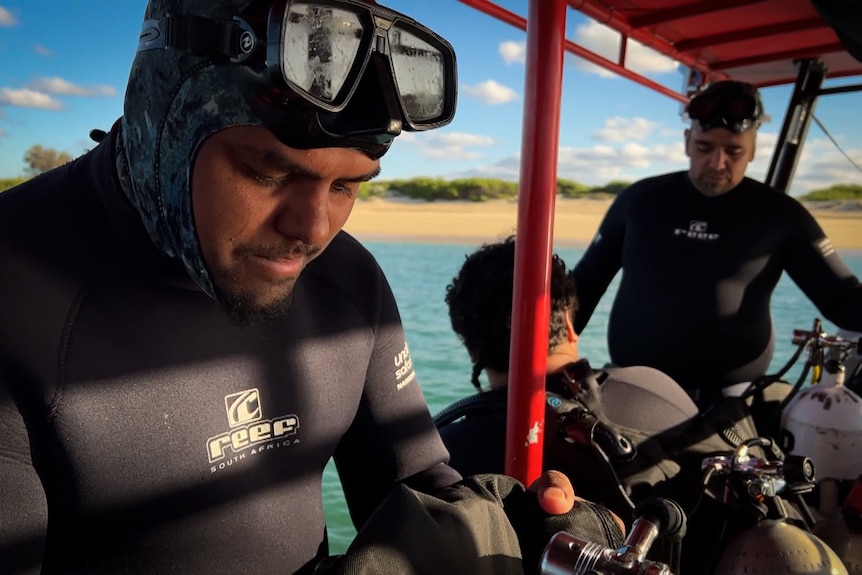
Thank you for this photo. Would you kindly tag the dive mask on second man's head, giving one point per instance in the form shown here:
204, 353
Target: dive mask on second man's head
326, 73
732, 105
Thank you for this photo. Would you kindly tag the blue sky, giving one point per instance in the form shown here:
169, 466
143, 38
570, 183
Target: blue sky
63, 70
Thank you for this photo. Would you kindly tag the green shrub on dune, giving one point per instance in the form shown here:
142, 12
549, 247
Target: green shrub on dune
6, 183
834, 193
485, 189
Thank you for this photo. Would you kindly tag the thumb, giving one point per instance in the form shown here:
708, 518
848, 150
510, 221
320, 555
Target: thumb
555, 492
556, 495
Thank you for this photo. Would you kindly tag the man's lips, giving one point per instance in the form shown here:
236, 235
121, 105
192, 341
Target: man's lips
279, 268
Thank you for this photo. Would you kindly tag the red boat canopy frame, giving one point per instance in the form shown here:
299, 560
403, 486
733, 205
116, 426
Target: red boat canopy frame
756, 41
764, 42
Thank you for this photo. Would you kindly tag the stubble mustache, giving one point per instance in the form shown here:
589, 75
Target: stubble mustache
285, 251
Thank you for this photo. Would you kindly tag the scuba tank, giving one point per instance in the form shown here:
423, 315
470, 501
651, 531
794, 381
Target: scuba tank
824, 420
774, 541
843, 532
776, 546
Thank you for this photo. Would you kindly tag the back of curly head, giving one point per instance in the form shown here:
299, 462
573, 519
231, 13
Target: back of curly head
480, 304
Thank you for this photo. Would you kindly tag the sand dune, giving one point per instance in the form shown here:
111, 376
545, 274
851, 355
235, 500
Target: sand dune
575, 221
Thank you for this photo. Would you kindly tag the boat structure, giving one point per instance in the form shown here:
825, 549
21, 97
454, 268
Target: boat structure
798, 43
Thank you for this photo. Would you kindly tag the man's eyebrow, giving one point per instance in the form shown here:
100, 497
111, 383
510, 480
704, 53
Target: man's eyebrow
365, 177
282, 164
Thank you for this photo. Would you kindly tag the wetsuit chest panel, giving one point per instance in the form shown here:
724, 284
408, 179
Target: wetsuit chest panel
681, 236
200, 428
202, 403
701, 265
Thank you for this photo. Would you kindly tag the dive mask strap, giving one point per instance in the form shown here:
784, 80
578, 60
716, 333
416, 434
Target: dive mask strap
233, 40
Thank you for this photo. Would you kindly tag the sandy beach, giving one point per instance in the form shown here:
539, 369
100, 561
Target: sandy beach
575, 222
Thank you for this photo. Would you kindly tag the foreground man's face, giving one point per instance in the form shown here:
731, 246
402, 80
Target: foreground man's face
263, 211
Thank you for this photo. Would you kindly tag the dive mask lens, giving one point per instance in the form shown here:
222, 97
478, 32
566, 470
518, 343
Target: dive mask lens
321, 50
419, 73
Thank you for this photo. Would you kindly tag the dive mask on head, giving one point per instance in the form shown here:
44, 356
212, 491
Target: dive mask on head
732, 105
326, 72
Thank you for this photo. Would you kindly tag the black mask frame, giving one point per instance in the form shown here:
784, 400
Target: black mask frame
367, 112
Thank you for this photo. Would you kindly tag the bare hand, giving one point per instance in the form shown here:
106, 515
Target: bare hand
556, 495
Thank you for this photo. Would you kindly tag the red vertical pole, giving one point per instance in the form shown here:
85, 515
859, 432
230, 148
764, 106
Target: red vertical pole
546, 32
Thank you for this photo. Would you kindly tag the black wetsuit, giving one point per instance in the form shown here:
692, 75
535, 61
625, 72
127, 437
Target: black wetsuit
142, 432
636, 397
698, 276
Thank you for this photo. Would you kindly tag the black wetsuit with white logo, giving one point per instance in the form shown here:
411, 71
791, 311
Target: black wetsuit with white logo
698, 275
142, 432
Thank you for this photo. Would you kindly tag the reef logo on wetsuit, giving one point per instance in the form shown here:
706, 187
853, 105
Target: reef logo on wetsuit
696, 231
249, 431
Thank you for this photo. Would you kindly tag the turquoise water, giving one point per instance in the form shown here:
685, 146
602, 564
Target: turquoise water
419, 274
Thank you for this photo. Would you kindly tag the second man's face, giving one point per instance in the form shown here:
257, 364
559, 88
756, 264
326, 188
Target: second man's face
263, 211
718, 158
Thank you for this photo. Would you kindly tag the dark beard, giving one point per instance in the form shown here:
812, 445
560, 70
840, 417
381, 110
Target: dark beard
244, 314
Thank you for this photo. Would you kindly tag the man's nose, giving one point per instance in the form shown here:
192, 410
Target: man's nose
304, 214
718, 159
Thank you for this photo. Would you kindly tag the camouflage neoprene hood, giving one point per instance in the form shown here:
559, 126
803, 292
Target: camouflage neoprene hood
174, 102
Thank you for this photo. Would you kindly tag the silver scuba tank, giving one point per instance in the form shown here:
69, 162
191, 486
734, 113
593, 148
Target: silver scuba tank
824, 420
776, 546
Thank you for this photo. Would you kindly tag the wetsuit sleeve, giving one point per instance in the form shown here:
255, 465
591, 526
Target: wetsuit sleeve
486, 524
815, 266
23, 507
393, 437
601, 262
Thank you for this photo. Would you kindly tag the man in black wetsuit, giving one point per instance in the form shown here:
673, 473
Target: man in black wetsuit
187, 336
701, 252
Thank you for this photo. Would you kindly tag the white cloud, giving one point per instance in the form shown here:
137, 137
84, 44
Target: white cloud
599, 164
620, 129
822, 165
39, 49
26, 98
632, 149
461, 139
512, 52
758, 168
631, 161
6, 17
507, 170
606, 43
491, 92
63, 87
447, 146
673, 132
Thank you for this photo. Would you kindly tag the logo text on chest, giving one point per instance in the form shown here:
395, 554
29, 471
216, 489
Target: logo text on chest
248, 428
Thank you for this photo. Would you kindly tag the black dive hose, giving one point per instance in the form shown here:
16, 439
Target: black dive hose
764, 381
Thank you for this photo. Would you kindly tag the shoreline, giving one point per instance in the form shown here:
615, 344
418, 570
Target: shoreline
575, 222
